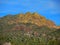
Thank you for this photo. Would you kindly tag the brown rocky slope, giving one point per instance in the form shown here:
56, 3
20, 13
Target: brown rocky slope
33, 18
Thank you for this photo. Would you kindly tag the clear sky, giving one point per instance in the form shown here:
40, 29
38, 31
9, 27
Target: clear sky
48, 8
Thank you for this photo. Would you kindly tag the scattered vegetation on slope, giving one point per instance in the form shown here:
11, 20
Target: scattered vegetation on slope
28, 29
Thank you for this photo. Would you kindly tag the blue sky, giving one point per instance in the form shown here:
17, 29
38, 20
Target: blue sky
47, 8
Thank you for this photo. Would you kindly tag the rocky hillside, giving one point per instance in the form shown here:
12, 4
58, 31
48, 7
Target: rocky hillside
33, 18
28, 29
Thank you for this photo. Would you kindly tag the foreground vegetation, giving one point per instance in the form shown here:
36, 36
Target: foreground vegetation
33, 35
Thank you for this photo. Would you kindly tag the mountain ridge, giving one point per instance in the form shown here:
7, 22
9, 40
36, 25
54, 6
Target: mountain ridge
28, 29
31, 18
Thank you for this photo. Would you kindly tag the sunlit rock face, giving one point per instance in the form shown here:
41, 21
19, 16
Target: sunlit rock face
33, 18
